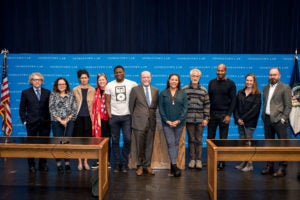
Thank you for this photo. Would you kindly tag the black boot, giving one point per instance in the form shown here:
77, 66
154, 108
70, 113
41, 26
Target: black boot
176, 171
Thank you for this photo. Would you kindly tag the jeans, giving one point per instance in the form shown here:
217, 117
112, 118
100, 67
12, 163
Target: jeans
195, 133
172, 138
215, 121
60, 131
118, 123
245, 132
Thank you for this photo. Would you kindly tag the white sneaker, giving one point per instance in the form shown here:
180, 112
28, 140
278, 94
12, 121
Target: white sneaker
241, 166
192, 164
199, 164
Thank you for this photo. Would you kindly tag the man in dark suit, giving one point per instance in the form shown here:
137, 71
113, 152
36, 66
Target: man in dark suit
34, 113
143, 105
275, 115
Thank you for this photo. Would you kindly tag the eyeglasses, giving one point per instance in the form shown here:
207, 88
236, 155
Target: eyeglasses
36, 79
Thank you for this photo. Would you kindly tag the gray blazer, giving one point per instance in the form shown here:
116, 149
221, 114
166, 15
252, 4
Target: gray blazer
143, 116
280, 104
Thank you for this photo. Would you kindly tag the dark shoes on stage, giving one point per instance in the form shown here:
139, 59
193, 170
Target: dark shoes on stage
221, 166
60, 169
281, 172
120, 168
42, 168
175, 171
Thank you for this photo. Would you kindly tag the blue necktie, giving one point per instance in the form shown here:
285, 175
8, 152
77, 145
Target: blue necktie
38, 94
147, 96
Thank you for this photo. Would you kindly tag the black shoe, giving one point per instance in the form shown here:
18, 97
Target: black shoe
175, 171
280, 173
60, 169
221, 166
32, 169
95, 165
123, 169
43, 168
117, 168
267, 170
298, 176
68, 169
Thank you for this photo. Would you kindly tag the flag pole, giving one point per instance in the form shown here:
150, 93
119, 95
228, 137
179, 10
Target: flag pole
4, 128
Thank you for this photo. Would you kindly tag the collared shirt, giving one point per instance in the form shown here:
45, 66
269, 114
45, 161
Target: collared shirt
271, 92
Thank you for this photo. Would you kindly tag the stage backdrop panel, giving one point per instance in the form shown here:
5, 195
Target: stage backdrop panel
52, 66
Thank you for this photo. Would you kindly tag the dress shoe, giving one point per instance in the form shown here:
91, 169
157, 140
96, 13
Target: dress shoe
267, 170
280, 173
123, 169
149, 171
60, 169
139, 171
43, 168
32, 169
221, 166
68, 169
298, 176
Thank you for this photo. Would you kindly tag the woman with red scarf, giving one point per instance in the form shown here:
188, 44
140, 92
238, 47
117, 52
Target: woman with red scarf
100, 117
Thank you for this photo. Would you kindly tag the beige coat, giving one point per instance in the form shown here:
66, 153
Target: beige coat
90, 98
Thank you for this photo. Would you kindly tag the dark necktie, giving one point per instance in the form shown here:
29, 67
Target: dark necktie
147, 96
38, 94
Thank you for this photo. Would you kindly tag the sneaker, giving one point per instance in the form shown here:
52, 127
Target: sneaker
192, 164
95, 165
199, 164
108, 165
241, 166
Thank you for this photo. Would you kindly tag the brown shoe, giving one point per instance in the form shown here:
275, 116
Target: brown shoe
139, 171
150, 171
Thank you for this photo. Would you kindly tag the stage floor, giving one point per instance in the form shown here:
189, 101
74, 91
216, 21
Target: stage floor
17, 183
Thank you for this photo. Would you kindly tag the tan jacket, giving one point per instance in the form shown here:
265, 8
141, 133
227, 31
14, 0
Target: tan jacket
90, 98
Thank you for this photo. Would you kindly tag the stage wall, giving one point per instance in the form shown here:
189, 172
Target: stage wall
53, 66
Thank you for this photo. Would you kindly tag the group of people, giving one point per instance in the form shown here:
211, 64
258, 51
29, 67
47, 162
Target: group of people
123, 105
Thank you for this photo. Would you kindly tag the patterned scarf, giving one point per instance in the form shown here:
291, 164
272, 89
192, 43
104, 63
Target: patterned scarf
99, 113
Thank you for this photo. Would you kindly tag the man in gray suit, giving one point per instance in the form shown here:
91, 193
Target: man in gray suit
276, 110
142, 105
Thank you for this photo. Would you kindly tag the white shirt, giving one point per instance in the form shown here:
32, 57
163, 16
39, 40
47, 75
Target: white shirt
271, 92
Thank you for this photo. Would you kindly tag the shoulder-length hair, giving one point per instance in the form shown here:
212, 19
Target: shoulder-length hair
255, 89
55, 85
179, 83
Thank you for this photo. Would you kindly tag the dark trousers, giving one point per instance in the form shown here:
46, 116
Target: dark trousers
59, 130
118, 123
39, 128
144, 146
216, 121
105, 132
275, 129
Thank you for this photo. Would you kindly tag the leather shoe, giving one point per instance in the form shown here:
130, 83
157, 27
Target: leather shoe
32, 169
139, 171
149, 171
267, 170
280, 173
221, 166
298, 176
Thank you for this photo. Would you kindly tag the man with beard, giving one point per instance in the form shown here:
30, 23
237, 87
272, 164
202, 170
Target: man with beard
222, 95
275, 115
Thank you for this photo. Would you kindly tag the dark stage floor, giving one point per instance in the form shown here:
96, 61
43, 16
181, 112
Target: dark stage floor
18, 184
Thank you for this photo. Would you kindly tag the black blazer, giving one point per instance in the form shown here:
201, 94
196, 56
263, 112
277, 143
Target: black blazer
31, 110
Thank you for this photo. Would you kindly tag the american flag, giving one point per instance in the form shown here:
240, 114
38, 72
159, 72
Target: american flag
5, 103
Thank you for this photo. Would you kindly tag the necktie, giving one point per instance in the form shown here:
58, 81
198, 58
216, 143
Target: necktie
147, 96
38, 94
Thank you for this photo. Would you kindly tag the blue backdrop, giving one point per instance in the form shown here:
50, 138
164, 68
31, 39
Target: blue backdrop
52, 66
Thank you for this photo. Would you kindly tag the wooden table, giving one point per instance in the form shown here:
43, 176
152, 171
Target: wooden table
247, 150
57, 147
